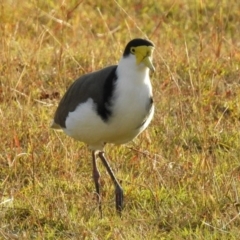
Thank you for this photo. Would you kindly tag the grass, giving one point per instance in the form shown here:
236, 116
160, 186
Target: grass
181, 178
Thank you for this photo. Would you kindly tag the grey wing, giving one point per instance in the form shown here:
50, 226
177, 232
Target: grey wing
85, 87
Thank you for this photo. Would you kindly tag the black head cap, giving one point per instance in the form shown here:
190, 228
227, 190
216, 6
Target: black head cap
135, 43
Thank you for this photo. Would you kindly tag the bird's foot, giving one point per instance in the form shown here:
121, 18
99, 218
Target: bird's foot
100, 205
119, 199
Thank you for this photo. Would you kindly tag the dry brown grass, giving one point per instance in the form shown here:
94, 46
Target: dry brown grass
181, 181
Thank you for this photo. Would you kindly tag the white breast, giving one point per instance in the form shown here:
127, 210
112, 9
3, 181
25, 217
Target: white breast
130, 108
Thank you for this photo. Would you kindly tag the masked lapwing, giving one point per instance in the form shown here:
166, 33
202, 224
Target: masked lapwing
112, 105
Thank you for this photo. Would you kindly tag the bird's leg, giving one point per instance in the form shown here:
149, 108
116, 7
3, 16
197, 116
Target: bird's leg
118, 188
96, 178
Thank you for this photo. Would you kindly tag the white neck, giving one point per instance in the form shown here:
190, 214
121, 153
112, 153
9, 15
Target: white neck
128, 68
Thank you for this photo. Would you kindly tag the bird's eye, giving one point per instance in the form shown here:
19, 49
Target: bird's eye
132, 50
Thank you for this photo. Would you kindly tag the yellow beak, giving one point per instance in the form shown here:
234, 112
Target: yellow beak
144, 55
148, 62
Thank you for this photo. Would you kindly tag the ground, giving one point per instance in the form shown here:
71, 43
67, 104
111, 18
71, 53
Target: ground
181, 177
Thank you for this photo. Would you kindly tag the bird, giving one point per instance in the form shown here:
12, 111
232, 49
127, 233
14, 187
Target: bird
112, 105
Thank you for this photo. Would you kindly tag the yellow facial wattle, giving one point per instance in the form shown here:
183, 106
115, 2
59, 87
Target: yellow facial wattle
144, 55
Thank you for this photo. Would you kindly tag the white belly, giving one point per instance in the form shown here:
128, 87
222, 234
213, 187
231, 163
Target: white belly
129, 112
